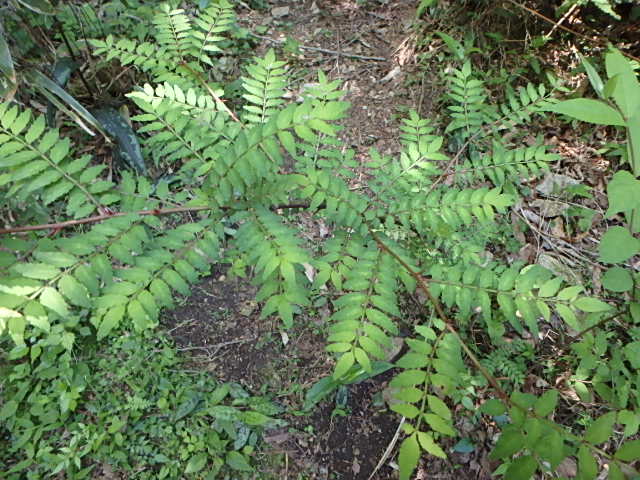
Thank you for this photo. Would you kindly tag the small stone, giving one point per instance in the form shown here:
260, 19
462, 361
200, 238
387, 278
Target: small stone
549, 208
279, 12
555, 183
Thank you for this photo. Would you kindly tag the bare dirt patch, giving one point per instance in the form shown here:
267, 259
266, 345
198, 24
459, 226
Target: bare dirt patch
219, 326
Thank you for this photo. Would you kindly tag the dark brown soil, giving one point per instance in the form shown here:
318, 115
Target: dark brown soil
219, 326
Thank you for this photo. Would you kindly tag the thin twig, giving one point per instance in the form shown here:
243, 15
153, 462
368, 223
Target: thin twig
322, 50
561, 21
389, 449
582, 333
99, 218
218, 100
422, 283
106, 216
217, 346
598, 40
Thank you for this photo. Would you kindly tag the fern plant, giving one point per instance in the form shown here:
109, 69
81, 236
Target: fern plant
176, 36
125, 249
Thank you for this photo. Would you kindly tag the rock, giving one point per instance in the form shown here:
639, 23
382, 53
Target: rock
549, 208
279, 12
554, 183
558, 267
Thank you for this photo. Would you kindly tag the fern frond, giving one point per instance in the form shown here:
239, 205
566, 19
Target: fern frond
362, 323
433, 360
327, 151
469, 109
522, 294
67, 276
265, 87
37, 162
449, 206
146, 56
256, 155
173, 31
196, 104
506, 167
217, 18
275, 251
415, 170
331, 196
518, 107
178, 39
416, 130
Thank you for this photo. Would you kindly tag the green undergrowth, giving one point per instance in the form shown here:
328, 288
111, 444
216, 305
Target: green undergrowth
142, 411
92, 255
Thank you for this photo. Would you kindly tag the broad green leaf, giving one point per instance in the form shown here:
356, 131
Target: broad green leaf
16, 327
439, 407
617, 279
406, 410
39, 271
196, 463
74, 291
510, 442
237, 461
521, 468
8, 410
600, 430
493, 407
568, 316
408, 456
594, 78
252, 417
319, 391
632, 352
408, 378
550, 287
438, 424
546, 403
615, 473
630, 420
587, 466
623, 193
110, 321
590, 305
627, 90
588, 110
428, 445
56, 259
618, 245
52, 299
36, 315
344, 363
629, 451
138, 315
362, 358
551, 449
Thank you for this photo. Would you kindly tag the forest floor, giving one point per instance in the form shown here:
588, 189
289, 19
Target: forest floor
373, 49
219, 324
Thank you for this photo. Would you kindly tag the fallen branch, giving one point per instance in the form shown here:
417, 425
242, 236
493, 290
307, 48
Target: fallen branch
598, 40
323, 50
106, 216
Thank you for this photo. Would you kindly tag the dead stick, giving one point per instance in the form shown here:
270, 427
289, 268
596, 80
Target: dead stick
323, 50
106, 216
567, 29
